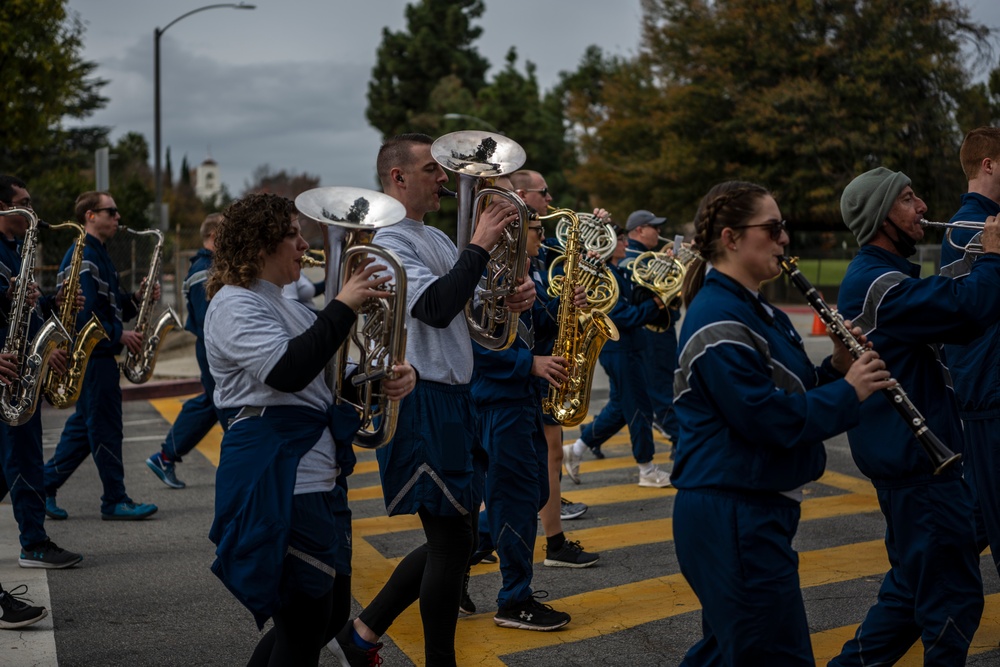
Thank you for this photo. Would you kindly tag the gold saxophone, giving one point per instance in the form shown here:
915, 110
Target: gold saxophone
138, 368
63, 391
19, 399
579, 338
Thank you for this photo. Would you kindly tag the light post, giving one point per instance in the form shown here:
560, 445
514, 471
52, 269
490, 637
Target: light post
157, 33
475, 119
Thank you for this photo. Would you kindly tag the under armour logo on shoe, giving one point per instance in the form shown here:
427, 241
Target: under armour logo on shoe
526, 616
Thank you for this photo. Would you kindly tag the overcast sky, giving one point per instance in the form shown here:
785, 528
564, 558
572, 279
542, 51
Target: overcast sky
285, 84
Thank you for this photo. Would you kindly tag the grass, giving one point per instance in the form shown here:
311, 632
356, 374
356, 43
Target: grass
831, 271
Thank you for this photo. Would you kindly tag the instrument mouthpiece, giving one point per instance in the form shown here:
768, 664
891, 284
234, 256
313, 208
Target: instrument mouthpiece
445, 192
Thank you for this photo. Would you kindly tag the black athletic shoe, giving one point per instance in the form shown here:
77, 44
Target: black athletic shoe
530, 614
466, 606
15, 613
571, 554
352, 655
47, 555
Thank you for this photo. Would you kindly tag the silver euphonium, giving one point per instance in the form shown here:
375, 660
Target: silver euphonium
378, 336
19, 399
138, 368
479, 158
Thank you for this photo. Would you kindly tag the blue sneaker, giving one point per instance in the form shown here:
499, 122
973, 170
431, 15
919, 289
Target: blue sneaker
53, 511
164, 470
129, 511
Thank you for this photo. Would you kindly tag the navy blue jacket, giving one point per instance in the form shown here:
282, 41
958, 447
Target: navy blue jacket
975, 368
628, 317
634, 249
103, 293
753, 411
907, 318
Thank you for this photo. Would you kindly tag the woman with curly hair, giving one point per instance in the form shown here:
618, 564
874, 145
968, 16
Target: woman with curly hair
753, 414
282, 525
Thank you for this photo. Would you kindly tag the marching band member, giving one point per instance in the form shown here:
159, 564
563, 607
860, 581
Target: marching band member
975, 368
933, 590
433, 466
22, 463
752, 421
659, 348
95, 428
531, 187
199, 414
282, 525
628, 401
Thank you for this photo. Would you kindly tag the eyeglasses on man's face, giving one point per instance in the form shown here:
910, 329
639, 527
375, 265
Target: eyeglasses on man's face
774, 228
112, 210
538, 230
544, 191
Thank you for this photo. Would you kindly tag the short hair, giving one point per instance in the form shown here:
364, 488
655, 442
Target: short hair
250, 227
212, 221
87, 202
522, 178
7, 185
979, 144
396, 152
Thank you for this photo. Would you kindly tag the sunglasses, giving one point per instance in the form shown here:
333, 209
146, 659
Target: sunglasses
544, 191
774, 228
112, 210
538, 230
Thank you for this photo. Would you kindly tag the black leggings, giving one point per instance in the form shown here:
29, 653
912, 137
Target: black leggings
303, 627
432, 573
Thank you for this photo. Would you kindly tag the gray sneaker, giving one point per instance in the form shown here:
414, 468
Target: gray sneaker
48, 556
570, 510
655, 478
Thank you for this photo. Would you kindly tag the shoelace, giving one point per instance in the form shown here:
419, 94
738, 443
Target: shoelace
539, 595
573, 545
17, 598
374, 659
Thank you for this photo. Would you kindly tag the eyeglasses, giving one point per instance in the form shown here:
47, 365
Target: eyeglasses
24, 203
538, 230
774, 228
543, 191
112, 210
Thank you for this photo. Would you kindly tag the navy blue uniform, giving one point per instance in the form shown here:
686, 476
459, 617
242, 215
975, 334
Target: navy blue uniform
753, 413
96, 425
21, 460
934, 590
975, 371
659, 357
198, 415
628, 402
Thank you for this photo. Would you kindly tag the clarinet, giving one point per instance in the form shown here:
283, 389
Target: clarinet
941, 457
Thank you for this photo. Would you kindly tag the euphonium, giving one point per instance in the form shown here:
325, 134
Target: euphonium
662, 272
479, 158
595, 234
579, 340
63, 390
19, 399
591, 272
378, 336
138, 368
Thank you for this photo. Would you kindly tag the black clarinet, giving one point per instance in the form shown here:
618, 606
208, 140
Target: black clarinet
941, 457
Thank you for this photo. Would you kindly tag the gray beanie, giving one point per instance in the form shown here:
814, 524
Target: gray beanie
867, 200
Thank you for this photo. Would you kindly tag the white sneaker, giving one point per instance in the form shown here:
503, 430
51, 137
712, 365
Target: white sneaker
571, 463
655, 478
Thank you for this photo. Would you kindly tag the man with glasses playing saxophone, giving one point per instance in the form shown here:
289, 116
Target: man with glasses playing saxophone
21, 460
95, 428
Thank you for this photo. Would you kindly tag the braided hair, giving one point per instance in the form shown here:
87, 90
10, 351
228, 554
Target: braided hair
728, 204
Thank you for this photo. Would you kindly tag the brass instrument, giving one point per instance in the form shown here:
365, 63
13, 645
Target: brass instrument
352, 216
662, 272
314, 259
479, 158
973, 247
579, 340
138, 368
595, 234
19, 399
63, 390
591, 272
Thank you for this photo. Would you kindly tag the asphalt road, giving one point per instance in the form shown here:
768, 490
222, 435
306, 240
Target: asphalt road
144, 594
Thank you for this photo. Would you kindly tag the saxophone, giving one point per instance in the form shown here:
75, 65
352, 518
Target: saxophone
19, 399
63, 391
579, 339
138, 368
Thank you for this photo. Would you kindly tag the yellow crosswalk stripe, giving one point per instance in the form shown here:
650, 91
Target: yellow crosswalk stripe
211, 444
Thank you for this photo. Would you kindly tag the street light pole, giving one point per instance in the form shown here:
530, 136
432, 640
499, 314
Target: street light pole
157, 175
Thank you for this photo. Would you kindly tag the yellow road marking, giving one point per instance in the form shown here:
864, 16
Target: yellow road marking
211, 445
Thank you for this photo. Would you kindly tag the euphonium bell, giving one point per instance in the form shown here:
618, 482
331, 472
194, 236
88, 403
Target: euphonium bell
479, 158
352, 216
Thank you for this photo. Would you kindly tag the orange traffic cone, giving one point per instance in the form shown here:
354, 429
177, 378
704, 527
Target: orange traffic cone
818, 328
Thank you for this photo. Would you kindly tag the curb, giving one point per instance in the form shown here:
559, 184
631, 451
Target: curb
161, 389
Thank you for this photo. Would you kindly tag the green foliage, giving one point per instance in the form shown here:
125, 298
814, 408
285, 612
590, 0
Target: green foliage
410, 64
800, 95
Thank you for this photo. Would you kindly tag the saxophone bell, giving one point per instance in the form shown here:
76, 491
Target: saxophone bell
378, 336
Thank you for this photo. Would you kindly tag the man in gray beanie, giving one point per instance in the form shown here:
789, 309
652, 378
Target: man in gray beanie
931, 532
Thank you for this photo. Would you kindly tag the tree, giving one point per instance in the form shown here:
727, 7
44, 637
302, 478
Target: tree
409, 65
800, 95
286, 184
